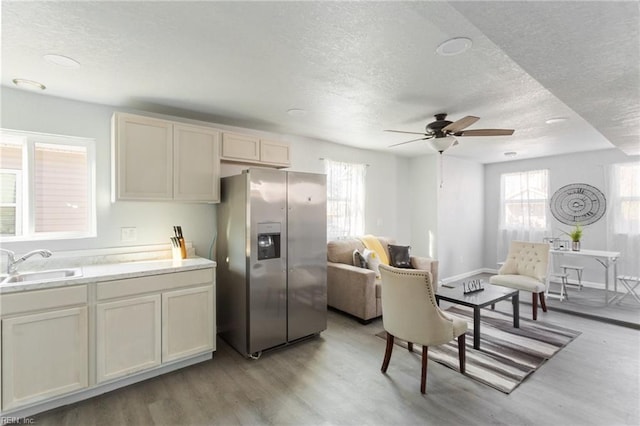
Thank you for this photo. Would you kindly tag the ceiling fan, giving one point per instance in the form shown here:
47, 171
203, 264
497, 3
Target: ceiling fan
442, 131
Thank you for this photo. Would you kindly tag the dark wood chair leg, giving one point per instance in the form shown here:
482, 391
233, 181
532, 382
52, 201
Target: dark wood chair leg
410, 346
423, 379
387, 353
462, 350
534, 302
543, 304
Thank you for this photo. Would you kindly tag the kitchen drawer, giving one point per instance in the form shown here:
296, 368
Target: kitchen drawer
39, 300
153, 283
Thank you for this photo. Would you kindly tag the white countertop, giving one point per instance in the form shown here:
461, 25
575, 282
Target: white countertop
113, 271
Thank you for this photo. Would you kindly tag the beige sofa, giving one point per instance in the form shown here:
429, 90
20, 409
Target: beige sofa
356, 290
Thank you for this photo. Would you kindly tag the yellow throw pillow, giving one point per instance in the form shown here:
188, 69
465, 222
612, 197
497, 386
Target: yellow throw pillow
372, 243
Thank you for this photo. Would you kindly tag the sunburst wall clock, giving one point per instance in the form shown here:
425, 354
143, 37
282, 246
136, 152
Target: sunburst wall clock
578, 203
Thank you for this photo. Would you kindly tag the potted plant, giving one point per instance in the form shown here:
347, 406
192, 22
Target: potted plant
575, 235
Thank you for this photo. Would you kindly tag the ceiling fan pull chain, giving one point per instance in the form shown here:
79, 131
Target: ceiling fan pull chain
441, 170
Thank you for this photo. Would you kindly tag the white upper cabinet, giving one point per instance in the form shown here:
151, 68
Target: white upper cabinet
272, 152
143, 152
196, 163
240, 147
253, 150
156, 159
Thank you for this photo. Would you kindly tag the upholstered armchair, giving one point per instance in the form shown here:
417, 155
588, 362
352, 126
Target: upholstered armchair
526, 268
412, 314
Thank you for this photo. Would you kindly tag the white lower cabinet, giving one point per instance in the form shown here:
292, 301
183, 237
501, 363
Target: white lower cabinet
127, 336
187, 322
145, 322
132, 328
44, 355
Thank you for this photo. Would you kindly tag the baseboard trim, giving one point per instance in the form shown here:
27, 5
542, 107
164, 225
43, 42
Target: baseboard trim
464, 275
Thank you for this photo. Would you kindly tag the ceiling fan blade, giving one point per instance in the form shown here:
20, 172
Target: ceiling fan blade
411, 133
485, 132
463, 123
412, 140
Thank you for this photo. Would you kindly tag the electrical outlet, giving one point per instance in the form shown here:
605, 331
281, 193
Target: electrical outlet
128, 234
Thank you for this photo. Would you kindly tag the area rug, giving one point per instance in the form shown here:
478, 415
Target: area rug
507, 355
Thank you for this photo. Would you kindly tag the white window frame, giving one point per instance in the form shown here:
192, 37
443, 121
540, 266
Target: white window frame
620, 225
30, 139
529, 201
354, 204
18, 205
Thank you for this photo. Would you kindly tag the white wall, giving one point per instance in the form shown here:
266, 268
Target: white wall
460, 217
423, 213
388, 194
588, 167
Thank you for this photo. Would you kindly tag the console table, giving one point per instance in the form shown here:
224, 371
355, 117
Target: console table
606, 258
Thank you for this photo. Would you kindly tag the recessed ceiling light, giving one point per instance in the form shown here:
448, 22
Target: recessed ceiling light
63, 61
454, 46
510, 154
556, 120
297, 112
28, 84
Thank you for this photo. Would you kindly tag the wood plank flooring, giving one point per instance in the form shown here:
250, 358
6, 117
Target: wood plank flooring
589, 303
335, 379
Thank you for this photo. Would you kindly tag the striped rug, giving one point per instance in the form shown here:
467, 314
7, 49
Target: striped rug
507, 355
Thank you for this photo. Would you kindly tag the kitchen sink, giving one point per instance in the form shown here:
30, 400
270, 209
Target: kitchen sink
51, 275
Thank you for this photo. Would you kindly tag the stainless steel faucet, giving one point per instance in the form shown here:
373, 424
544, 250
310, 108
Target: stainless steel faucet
12, 262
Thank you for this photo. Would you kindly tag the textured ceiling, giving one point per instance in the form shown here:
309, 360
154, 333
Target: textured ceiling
356, 67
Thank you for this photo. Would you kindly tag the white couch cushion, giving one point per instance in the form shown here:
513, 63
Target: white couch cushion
520, 282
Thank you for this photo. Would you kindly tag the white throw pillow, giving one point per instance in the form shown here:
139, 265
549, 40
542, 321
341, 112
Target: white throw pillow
373, 261
359, 260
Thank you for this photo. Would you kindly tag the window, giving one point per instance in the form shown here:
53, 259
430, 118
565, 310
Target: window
46, 186
524, 200
345, 199
626, 198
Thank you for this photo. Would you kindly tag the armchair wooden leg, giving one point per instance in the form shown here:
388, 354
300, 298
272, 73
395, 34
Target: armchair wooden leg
410, 346
423, 379
387, 352
534, 302
543, 303
462, 350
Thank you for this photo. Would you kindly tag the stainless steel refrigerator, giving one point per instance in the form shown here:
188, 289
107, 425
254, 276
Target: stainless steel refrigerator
272, 259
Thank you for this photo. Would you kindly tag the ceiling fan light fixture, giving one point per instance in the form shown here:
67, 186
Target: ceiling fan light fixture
442, 144
454, 46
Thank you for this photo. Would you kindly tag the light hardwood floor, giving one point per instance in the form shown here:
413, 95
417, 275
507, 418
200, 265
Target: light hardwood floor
335, 379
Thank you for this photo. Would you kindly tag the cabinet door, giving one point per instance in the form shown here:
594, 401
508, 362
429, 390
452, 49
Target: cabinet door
273, 152
196, 160
127, 336
143, 158
44, 355
240, 147
188, 322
